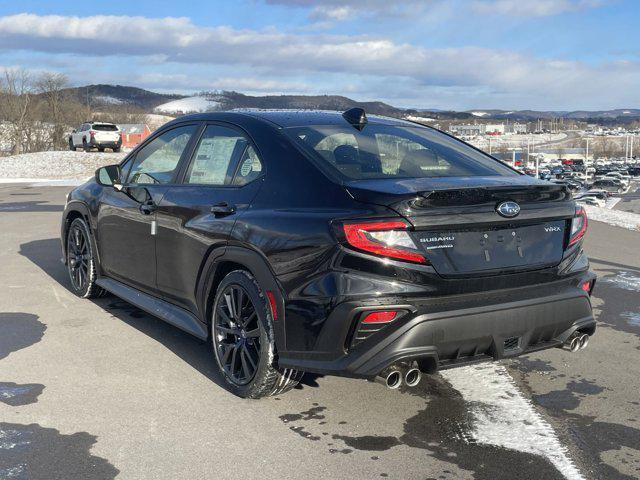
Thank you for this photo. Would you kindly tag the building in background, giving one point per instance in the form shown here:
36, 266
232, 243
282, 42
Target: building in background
133, 133
473, 130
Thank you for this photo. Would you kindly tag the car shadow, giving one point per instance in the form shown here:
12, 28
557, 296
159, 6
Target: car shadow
198, 354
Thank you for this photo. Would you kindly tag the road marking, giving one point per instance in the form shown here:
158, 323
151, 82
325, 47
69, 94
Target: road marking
503, 417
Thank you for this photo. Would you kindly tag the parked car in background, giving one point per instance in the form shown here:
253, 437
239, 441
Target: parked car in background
610, 185
332, 243
98, 135
591, 201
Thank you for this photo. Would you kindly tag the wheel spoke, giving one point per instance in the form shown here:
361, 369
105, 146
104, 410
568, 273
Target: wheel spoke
227, 330
240, 301
227, 351
255, 333
246, 353
249, 319
245, 367
230, 305
234, 358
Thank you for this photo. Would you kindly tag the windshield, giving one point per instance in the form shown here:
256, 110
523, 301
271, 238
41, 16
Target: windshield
388, 151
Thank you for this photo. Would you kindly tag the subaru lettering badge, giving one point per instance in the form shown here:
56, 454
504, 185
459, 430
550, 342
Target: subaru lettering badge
508, 209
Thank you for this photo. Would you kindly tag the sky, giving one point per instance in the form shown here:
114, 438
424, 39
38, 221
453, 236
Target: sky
442, 54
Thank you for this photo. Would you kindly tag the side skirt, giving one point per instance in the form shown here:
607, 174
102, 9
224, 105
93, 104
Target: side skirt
176, 316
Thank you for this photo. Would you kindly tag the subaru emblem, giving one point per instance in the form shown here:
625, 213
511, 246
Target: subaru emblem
508, 209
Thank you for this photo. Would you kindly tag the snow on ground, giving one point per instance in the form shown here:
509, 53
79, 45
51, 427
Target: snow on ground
479, 114
617, 218
505, 418
60, 165
626, 280
198, 103
413, 118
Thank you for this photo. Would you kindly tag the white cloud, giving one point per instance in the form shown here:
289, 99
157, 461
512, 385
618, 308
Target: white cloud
278, 60
533, 8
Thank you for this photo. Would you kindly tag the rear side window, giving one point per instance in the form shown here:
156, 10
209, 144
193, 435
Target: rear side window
221, 153
157, 161
101, 127
389, 151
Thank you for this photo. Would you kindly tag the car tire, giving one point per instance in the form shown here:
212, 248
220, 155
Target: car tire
101, 149
72, 147
81, 261
243, 339
116, 150
85, 146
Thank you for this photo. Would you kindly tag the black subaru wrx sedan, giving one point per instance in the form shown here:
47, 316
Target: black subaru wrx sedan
307, 241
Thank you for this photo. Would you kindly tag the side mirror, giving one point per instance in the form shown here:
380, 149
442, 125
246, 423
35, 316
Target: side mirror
109, 176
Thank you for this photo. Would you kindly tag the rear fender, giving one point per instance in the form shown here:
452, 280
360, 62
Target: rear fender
257, 265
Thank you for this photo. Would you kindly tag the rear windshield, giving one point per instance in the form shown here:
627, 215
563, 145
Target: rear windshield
103, 127
388, 151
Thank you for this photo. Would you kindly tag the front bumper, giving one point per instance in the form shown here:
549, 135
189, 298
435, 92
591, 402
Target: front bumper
444, 333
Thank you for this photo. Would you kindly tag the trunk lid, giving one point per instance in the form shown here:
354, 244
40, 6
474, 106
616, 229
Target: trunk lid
457, 226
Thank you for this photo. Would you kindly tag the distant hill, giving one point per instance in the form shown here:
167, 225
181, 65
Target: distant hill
99, 95
175, 104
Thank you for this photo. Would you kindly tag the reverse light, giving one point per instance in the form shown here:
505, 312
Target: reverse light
385, 316
387, 239
579, 225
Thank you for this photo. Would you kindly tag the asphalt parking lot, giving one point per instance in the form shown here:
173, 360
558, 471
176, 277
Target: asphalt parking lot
99, 390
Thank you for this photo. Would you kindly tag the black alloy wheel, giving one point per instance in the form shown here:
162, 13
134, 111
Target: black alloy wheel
78, 257
236, 335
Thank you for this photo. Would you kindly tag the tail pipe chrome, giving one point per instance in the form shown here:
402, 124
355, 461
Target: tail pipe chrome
575, 342
391, 377
412, 377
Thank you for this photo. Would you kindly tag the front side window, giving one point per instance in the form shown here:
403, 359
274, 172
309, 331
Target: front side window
221, 152
157, 161
391, 151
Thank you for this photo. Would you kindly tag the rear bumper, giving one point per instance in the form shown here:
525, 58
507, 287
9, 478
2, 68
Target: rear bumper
106, 144
541, 318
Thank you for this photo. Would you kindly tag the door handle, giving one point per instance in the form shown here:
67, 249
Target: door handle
222, 209
148, 208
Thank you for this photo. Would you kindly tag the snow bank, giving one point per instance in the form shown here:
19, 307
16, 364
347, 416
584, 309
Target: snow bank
617, 218
198, 103
62, 165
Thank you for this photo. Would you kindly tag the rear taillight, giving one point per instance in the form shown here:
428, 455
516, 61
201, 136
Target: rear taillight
92, 133
387, 239
579, 225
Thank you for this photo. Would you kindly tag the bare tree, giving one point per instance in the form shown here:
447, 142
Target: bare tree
16, 95
51, 87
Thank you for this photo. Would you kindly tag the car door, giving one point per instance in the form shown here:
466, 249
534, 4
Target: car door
218, 184
126, 218
77, 136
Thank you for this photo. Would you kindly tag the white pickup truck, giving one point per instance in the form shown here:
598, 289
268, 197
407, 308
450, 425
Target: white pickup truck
96, 135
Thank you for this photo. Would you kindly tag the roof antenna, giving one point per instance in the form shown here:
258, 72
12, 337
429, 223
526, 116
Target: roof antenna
356, 117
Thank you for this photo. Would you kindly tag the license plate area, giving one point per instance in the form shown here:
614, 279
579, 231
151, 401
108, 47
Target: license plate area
463, 251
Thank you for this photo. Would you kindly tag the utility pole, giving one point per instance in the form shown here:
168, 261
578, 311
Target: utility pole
586, 156
489, 145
